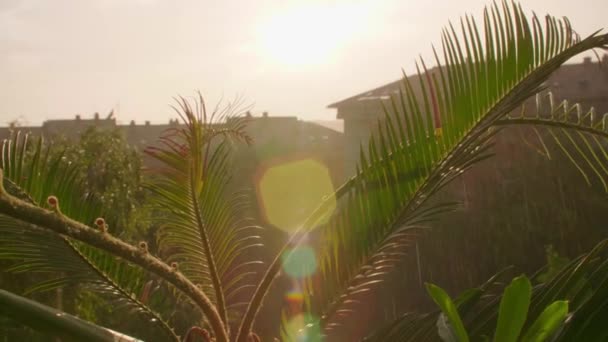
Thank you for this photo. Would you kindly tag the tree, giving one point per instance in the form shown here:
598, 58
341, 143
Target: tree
363, 229
111, 170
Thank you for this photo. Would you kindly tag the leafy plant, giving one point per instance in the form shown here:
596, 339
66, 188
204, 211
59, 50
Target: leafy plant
431, 134
555, 263
511, 318
555, 310
111, 169
66, 261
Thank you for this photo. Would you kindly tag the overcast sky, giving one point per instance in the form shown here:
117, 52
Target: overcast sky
63, 57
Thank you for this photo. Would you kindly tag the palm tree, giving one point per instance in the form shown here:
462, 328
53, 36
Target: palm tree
425, 141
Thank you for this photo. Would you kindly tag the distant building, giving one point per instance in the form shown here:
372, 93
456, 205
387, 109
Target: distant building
585, 83
273, 136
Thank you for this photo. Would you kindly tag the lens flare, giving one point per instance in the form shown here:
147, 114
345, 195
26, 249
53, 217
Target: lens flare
295, 296
299, 262
289, 191
295, 300
304, 328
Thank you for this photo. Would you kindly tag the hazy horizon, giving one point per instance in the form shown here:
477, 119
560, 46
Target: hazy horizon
65, 57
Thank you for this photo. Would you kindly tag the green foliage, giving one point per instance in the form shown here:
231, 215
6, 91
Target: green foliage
555, 263
567, 307
449, 309
111, 170
34, 172
202, 230
577, 132
512, 314
437, 127
547, 323
513, 310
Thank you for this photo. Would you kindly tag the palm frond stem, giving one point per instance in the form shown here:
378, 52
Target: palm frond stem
58, 223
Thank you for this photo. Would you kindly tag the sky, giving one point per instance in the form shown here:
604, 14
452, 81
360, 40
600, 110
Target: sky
59, 58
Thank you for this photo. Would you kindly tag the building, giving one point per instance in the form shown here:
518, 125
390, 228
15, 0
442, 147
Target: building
275, 139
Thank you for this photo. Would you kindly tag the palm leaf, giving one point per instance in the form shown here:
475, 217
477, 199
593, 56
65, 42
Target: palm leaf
579, 134
438, 125
434, 129
205, 233
32, 173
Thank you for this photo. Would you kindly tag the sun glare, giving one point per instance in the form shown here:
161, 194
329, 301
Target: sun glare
308, 34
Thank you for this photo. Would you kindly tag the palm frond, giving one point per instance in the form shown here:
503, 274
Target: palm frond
433, 130
438, 125
33, 174
205, 231
580, 134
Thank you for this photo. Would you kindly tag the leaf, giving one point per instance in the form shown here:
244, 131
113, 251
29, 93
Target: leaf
547, 323
513, 310
445, 330
204, 227
43, 172
416, 327
435, 127
583, 283
569, 284
417, 151
580, 134
444, 302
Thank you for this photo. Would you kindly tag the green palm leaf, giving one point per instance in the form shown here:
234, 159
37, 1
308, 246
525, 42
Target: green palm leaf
560, 118
205, 233
579, 134
434, 129
32, 173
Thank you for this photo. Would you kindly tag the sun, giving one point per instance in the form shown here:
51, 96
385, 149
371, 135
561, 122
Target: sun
307, 34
